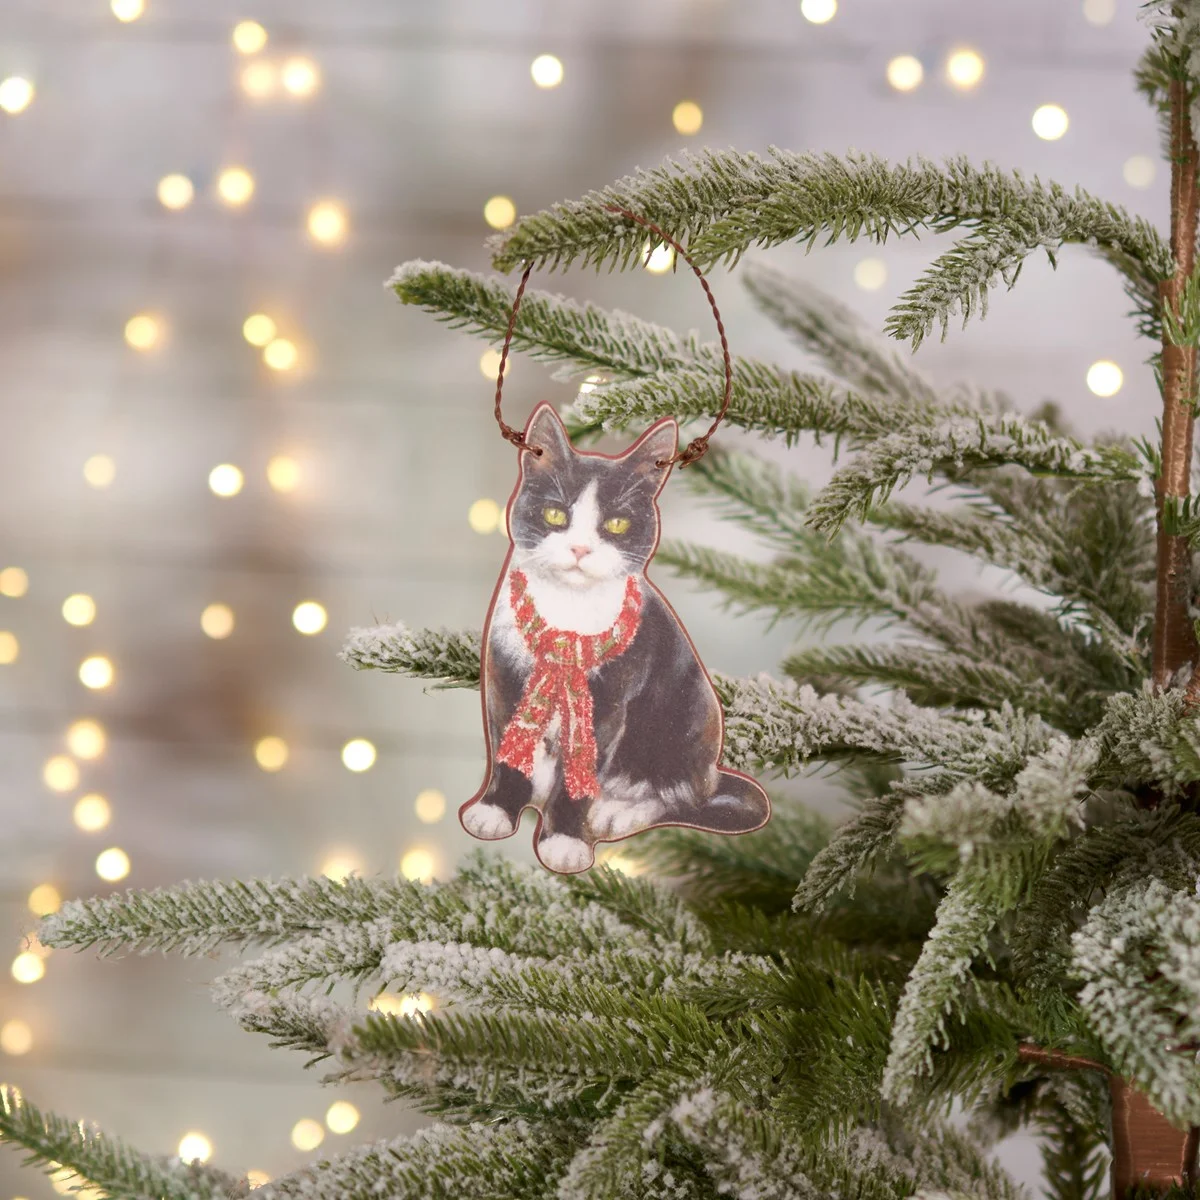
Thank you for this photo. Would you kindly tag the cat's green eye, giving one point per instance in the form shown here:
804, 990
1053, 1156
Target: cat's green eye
554, 516
617, 524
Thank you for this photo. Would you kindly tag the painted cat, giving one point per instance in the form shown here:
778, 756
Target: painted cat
597, 710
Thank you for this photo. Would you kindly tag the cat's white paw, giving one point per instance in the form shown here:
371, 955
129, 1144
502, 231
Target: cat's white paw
487, 821
564, 854
619, 818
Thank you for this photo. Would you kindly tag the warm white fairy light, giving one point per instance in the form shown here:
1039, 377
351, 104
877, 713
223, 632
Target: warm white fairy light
143, 331
99, 471
194, 1147
16, 94
327, 223
92, 813
258, 329
280, 354
271, 753
499, 212
1104, 378
870, 274
16, 1038
964, 68
1050, 122
619, 862
14, 582
339, 865
430, 806
235, 185
905, 72
112, 864
27, 967
175, 191
309, 617
79, 609
10, 647
283, 473
300, 76
127, 10
402, 1006
86, 738
819, 12
341, 1117
249, 37
60, 773
659, 260
546, 71
225, 480
484, 515
259, 79
687, 117
358, 754
1099, 12
489, 364
1139, 171
417, 864
216, 621
256, 1178
44, 900
307, 1134
96, 672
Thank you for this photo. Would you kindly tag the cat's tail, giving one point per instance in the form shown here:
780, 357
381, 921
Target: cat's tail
738, 805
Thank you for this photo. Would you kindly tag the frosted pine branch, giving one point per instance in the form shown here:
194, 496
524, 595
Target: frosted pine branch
313, 1024
450, 659
1150, 738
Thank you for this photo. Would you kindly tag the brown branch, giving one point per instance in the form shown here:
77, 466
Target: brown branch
1028, 1052
1174, 638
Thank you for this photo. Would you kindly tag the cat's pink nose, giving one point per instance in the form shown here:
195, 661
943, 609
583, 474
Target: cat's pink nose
581, 552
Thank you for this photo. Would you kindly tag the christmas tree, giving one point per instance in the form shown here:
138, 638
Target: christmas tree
1006, 934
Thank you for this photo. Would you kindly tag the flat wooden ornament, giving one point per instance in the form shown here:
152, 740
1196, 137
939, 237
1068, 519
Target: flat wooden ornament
597, 710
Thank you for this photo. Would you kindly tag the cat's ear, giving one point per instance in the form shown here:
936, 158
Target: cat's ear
656, 445
545, 431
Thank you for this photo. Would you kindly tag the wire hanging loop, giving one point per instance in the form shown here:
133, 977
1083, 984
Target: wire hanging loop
697, 447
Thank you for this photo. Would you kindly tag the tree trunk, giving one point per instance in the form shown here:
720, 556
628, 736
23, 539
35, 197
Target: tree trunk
1148, 1152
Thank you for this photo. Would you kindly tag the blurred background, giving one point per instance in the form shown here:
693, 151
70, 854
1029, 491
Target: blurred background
224, 443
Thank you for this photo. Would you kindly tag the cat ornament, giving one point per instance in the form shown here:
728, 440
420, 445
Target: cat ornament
596, 708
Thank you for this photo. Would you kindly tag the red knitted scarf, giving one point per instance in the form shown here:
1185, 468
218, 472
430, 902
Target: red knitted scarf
558, 686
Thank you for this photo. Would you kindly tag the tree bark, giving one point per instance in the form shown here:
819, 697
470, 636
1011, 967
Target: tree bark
1149, 1153
1174, 638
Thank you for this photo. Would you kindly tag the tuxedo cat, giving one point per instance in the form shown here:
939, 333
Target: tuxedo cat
597, 711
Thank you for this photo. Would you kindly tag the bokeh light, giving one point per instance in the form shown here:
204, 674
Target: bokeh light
327, 223
417, 864
307, 1134
194, 1147
309, 617
217, 621
546, 71
258, 329
484, 515
341, 1117
870, 274
1099, 12
659, 260
60, 773
92, 813
96, 672
16, 94
79, 609
358, 755
112, 864
1139, 171
10, 647
86, 738
1050, 122
256, 1178
300, 76
127, 10
225, 479
16, 1038
964, 69
341, 864
280, 354
259, 79
687, 117
819, 12
44, 900
142, 331
271, 753
14, 582
905, 72
235, 185
99, 471
27, 967
175, 191
430, 806
283, 473
1104, 378
249, 37
499, 212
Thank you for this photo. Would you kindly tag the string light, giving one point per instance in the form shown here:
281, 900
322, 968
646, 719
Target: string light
489, 364
546, 71
112, 864
430, 806
280, 354
86, 739
258, 79
27, 967
819, 12
300, 76
309, 617
217, 621
271, 753
417, 865
79, 609
249, 37
307, 1134
96, 672
60, 773
1099, 12
401, 1006
327, 223
870, 274
964, 69
1104, 378
484, 515
1050, 122
10, 648
341, 864
142, 331
1139, 171
194, 1147
14, 582
283, 473
235, 185
660, 260
687, 117
258, 329
92, 813
44, 900
358, 755
905, 72
16, 1038
500, 212
342, 1116
16, 94
128, 10
225, 480
626, 866
256, 1178
99, 471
